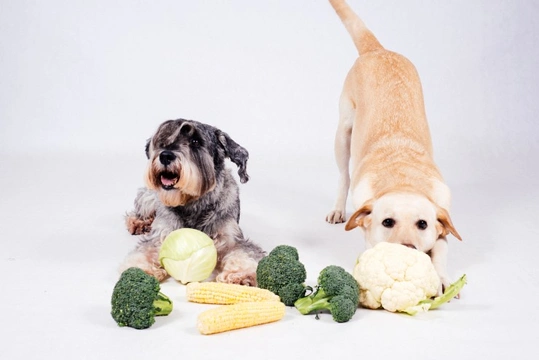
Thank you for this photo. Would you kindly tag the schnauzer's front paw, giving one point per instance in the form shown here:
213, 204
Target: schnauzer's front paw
240, 278
141, 261
138, 226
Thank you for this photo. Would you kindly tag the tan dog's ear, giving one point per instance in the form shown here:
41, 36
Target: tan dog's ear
445, 226
360, 218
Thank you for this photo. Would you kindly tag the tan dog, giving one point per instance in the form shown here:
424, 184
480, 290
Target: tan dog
383, 135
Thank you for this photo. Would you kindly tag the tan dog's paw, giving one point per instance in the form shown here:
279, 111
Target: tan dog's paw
444, 284
240, 278
138, 226
336, 217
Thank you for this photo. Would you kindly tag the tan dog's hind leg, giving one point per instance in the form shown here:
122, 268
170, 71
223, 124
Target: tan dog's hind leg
342, 157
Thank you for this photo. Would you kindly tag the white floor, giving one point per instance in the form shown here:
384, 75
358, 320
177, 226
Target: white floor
85, 84
64, 236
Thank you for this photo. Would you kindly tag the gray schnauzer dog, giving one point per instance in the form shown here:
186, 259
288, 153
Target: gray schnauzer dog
189, 186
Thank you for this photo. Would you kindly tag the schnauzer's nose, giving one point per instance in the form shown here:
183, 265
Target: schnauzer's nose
166, 157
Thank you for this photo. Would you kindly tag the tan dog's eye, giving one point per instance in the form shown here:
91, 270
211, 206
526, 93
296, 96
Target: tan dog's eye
388, 223
421, 224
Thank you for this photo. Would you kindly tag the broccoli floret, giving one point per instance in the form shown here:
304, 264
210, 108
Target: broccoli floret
342, 308
136, 299
285, 250
282, 273
337, 292
291, 292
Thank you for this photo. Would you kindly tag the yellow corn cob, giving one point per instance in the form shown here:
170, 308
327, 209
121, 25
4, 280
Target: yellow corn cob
225, 294
241, 315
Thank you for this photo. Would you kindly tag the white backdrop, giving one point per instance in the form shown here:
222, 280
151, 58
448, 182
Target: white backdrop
100, 76
83, 84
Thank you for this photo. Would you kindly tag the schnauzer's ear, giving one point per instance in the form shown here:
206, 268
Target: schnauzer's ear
147, 148
236, 153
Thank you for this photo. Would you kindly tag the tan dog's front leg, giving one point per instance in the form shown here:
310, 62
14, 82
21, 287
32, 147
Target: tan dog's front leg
342, 157
438, 255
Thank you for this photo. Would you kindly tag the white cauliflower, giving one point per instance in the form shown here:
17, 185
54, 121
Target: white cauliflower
395, 277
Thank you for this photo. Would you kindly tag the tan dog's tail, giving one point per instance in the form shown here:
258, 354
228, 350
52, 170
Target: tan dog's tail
363, 38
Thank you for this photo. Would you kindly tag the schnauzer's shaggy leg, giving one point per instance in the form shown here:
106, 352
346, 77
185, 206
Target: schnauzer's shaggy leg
146, 255
238, 257
139, 221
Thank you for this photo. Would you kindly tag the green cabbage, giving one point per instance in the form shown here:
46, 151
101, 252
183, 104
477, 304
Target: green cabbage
188, 255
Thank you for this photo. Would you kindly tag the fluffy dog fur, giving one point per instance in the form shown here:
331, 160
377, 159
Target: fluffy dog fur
189, 186
397, 190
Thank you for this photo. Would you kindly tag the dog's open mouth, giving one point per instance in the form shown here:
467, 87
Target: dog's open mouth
168, 179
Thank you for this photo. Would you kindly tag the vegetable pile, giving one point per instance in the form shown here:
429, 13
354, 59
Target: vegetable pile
389, 276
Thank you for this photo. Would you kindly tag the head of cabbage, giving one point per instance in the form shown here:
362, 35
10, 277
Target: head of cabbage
188, 255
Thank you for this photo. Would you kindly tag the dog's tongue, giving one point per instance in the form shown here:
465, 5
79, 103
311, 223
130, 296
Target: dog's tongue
168, 182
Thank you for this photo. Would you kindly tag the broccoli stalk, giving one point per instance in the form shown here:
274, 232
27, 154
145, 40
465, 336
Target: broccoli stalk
162, 305
136, 300
429, 304
341, 307
282, 273
337, 292
319, 300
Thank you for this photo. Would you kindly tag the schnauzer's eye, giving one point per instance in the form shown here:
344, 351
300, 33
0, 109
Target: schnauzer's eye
195, 142
421, 224
388, 223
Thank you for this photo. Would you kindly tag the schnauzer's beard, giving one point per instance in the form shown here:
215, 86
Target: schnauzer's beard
180, 181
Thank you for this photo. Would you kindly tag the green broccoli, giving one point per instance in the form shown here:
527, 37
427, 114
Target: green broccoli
282, 273
285, 250
136, 299
337, 292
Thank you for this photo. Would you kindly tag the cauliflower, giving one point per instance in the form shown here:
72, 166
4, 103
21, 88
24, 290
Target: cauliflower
395, 277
